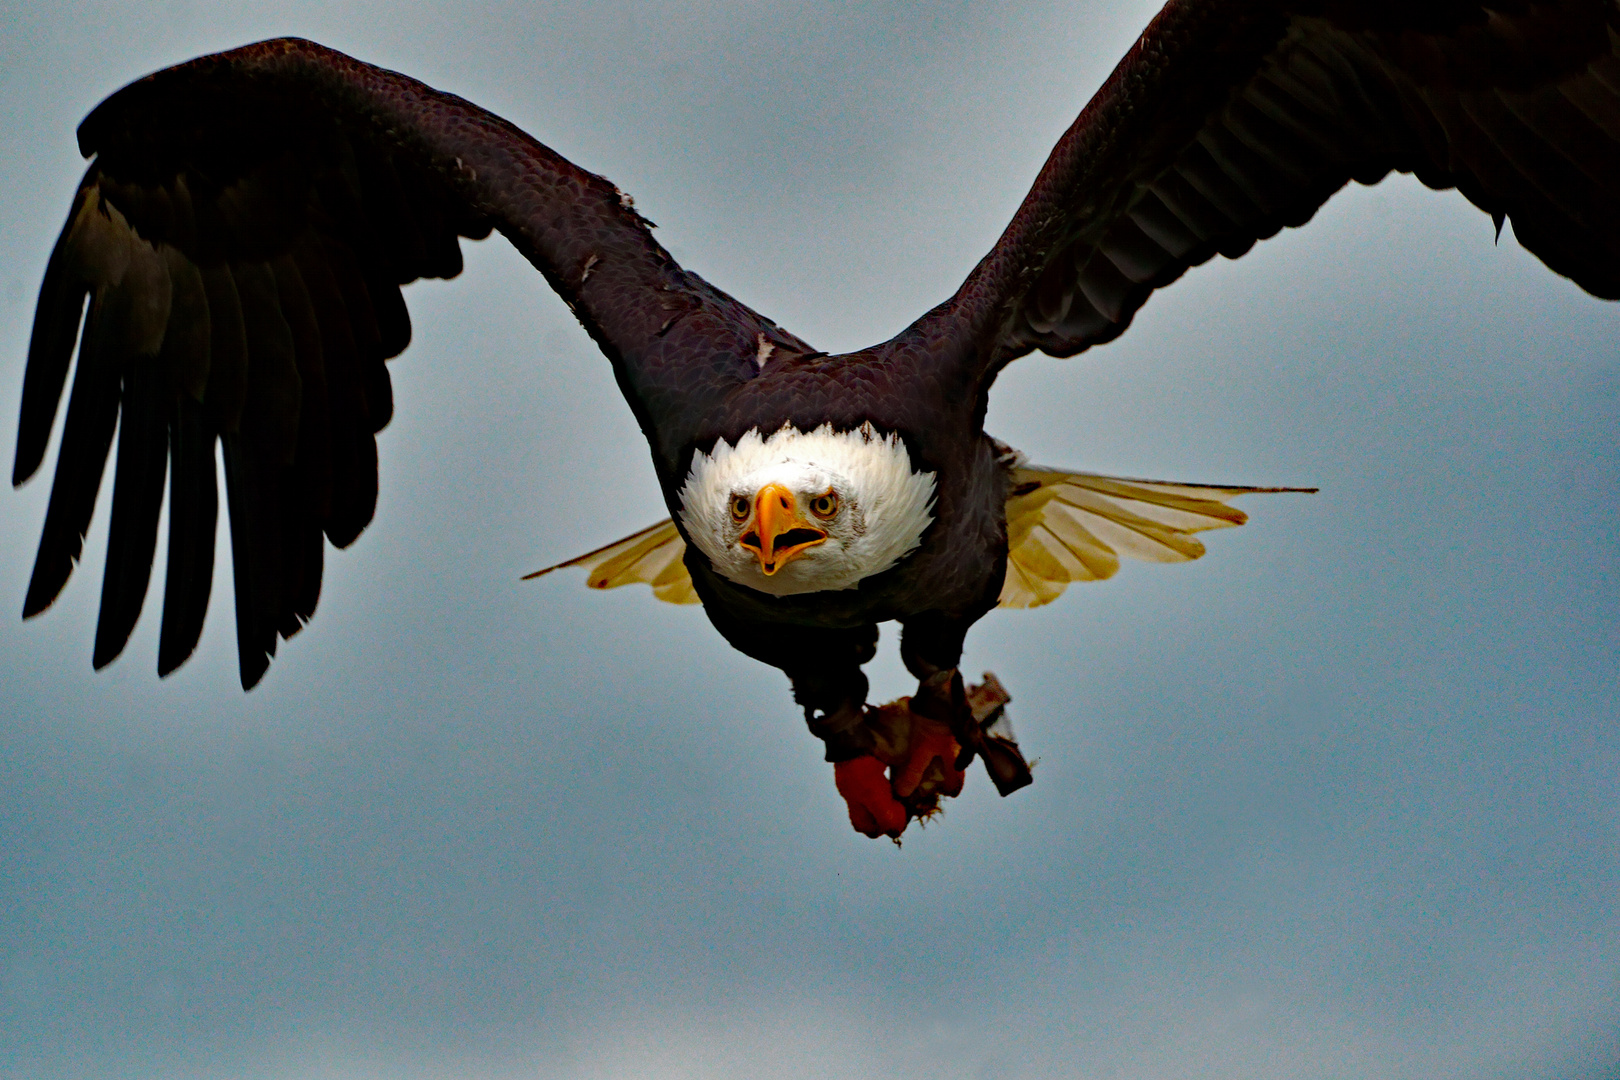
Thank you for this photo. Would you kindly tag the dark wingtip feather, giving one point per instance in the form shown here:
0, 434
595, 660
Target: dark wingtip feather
254, 663
86, 438
193, 519
252, 490
41, 592
137, 497
50, 348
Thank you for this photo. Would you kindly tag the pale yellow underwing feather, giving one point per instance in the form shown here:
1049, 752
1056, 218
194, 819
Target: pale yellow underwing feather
654, 556
1064, 527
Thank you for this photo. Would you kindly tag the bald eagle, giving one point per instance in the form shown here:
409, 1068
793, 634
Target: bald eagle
230, 275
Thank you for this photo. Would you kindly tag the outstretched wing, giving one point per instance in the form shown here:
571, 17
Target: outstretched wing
1230, 119
653, 556
236, 252
1065, 527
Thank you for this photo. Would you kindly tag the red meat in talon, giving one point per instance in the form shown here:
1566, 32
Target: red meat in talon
873, 809
931, 741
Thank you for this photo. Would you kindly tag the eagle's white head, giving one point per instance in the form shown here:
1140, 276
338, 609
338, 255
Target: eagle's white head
797, 512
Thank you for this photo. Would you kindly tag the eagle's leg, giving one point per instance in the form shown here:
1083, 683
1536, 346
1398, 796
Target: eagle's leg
943, 733
976, 717
931, 649
835, 708
825, 668
853, 745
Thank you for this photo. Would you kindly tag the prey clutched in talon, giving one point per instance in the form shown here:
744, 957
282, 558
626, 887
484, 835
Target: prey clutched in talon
929, 767
873, 809
913, 761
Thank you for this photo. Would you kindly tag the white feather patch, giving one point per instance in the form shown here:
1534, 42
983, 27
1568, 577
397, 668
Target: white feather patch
884, 505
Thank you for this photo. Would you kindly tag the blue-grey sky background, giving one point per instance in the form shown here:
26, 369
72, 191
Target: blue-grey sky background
1339, 800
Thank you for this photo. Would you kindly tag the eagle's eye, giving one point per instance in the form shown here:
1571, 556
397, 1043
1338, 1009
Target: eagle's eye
824, 506
739, 508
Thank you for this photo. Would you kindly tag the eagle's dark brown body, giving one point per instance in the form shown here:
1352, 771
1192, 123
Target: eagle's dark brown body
248, 218
821, 639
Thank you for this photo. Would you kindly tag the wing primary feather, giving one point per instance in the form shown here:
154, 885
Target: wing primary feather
306, 498
1189, 206
303, 560
257, 465
356, 294
143, 446
1276, 149
1081, 320
353, 351
1558, 181
61, 309
255, 546
394, 326
441, 249
1606, 69
314, 450
193, 520
366, 305
1269, 113
275, 390
1108, 290
184, 357
226, 388
1260, 183
248, 220
87, 435
1206, 176
351, 472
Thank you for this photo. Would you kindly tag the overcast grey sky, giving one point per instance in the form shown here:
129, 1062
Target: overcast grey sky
1339, 800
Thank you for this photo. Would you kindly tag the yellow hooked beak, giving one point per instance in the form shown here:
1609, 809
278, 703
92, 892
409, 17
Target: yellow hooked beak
779, 532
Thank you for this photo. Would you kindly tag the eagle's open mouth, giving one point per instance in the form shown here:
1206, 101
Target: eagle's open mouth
799, 538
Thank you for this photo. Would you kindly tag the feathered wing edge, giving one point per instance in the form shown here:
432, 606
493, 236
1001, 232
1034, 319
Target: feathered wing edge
1062, 527
654, 556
